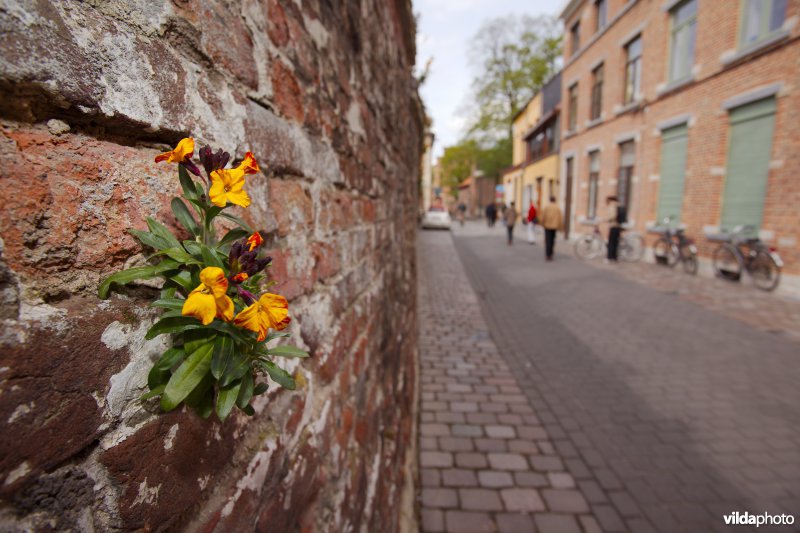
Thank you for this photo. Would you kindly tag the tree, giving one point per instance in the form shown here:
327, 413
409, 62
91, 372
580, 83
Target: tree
513, 57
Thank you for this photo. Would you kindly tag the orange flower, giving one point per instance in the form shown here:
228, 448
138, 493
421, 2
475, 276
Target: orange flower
255, 240
184, 149
270, 311
228, 186
249, 164
209, 300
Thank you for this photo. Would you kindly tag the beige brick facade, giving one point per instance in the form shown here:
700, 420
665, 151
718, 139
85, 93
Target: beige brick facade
722, 74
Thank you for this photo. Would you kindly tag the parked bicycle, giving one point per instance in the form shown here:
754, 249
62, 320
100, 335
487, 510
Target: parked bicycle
739, 251
674, 247
591, 245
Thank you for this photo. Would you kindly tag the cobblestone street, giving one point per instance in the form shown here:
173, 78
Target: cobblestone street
581, 400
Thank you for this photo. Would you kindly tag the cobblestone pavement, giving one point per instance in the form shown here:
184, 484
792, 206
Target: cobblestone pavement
486, 462
666, 414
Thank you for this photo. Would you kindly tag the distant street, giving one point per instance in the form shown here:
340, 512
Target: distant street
668, 415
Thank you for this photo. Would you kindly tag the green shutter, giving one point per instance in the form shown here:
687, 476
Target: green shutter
748, 163
673, 168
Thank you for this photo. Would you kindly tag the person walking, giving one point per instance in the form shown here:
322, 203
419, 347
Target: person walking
616, 218
491, 214
551, 222
510, 218
531, 223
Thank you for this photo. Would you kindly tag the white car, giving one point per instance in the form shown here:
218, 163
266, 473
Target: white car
436, 217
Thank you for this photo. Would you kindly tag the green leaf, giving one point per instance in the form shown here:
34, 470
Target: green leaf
168, 292
201, 400
279, 375
154, 391
195, 338
245, 391
187, 183
183, 215
193, 247
260, 389
169, 303
182, 256
162, 370
187, 377
162, 232
287, 351
275, 335
212, 213
126, 276
239, 221
232, 236
226, 399
184, 279
242, 336
149, 239
223, 354
210, 257
236, 366
173, 324
249, 411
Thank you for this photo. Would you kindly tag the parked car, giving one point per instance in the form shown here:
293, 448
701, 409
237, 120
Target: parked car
437, 218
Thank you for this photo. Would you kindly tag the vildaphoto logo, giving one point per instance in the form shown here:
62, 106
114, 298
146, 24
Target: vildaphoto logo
765, 519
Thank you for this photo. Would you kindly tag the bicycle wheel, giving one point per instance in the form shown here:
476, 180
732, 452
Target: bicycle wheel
664, 252
764, 271
727, 263
631, 247
587, 247
689, 259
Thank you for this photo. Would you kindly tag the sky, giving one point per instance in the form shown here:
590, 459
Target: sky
444, 33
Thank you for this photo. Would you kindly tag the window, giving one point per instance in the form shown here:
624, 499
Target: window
633, 70
575, 32
594, 176
760, 19
597, 92
601, 14
627, 159
573, 107
684, 28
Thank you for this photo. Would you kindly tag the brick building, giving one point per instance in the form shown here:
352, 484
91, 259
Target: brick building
686, 108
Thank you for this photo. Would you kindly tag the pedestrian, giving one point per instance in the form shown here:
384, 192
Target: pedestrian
462, 211
531, 223
616, 217
551, 222
510, 219
491, 214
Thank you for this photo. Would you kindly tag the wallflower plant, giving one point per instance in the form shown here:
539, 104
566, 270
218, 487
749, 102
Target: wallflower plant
219, 327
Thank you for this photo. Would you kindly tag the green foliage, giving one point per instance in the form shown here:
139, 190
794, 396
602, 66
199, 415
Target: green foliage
210, 367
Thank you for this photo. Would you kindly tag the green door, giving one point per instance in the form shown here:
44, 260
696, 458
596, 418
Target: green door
748, 163
673, 168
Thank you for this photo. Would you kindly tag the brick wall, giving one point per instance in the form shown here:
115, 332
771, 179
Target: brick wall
715, 81
325, 98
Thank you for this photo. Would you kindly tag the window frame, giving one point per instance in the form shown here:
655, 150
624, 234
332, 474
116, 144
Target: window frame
575, 37
597, 11
572, 103
596, 107
764, 33
625, 177
636, 62
594, 182
673, 31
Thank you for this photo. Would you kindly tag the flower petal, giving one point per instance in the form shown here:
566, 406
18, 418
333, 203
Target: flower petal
255, 240
239, 198
214, 278
275, 310
225, 308
249, 164
201, 306
185, 148
248, 318
217, 191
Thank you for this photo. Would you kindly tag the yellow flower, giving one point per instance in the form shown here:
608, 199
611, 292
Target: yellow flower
185, 148
270, 311
209, 300
228, 186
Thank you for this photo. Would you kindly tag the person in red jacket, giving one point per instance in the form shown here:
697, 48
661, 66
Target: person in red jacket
531, 223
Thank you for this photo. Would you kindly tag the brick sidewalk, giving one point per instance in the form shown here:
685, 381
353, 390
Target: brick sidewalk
486, 462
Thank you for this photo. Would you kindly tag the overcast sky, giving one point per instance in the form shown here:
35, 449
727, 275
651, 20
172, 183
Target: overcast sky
445, 30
